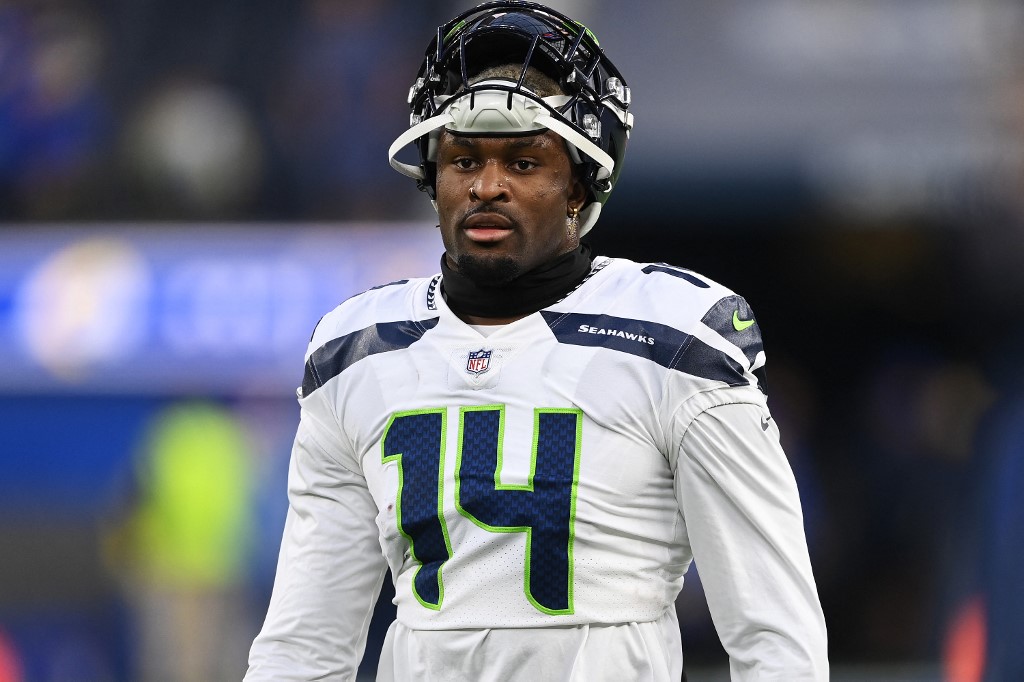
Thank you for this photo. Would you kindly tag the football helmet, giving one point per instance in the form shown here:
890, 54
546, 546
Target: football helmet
591, 115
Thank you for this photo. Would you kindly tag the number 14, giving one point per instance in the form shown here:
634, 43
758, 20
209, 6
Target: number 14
544, 509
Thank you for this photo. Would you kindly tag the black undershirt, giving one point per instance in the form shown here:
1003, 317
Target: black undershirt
526, 294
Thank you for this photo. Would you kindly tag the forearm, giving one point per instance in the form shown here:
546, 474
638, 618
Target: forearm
328, 577
743, 517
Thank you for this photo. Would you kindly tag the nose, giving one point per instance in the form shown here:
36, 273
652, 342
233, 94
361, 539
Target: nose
490, 183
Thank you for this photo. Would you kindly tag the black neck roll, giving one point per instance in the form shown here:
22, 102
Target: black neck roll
526, 294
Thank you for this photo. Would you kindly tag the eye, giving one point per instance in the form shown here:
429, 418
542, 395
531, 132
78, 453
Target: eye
523, 165
464, 162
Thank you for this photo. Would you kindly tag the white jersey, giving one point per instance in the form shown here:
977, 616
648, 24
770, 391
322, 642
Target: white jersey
540, 491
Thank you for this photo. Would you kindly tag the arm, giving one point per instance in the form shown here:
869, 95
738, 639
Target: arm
329, 572
742, 512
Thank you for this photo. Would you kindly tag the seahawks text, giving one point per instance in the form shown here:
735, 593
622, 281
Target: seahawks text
587, 329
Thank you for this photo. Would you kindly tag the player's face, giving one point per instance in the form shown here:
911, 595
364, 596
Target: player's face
503, 203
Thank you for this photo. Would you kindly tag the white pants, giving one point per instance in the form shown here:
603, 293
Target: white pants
644, 652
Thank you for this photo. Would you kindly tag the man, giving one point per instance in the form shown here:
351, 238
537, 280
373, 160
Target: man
536, 442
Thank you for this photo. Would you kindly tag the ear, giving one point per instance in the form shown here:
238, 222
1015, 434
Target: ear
577, 189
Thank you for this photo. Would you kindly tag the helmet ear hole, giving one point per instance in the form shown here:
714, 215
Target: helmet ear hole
428, 183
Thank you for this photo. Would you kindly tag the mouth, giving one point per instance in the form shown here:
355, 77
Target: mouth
487, 227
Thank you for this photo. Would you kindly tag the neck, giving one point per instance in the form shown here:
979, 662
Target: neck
479, 303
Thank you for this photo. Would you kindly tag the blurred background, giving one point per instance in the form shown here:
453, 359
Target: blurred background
186, 187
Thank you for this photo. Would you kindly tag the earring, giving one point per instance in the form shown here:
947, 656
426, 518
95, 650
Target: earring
572, 223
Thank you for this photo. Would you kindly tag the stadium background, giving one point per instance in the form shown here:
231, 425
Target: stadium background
185, 187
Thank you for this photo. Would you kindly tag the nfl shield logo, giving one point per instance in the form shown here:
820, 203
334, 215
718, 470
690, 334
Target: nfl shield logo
479, 361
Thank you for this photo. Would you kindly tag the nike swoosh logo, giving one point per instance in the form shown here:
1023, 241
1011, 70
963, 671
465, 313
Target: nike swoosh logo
738, 324
764, 423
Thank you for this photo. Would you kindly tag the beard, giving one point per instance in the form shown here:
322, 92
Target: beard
491, 272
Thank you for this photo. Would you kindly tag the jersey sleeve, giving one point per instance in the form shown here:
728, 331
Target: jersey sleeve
330, 568
741, 510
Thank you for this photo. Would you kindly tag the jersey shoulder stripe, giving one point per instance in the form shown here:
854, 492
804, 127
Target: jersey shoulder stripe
726, 340
398, 300
733, 319
382, 319
674, 301
335, 356
661, 344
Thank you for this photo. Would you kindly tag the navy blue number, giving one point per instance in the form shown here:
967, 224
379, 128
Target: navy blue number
676, 272
544, 509
416, 441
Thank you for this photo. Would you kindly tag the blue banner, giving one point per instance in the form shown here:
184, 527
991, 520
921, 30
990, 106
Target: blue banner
184, 310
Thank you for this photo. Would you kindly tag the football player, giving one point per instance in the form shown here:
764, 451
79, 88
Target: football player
536, 441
